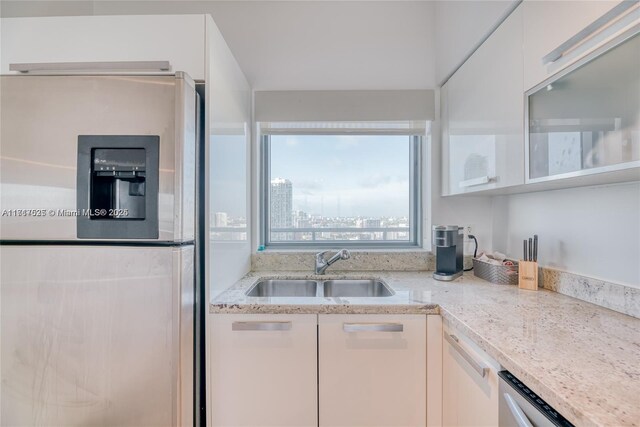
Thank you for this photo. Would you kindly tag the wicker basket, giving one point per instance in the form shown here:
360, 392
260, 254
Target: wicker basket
500, 274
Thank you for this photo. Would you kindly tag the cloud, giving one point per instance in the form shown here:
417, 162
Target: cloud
391, 199
347, 141
308, 185
381, 180
291, 141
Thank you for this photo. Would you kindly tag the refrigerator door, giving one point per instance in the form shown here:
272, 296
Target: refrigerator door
44, 116
96, 336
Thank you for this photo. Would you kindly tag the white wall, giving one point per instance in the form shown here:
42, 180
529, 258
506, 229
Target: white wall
592, 231
22, 8
315, 45
299, 45
459, 26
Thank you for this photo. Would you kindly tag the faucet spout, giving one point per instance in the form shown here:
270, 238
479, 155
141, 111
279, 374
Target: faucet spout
322, 264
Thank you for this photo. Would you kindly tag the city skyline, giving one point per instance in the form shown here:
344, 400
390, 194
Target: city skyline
318, 227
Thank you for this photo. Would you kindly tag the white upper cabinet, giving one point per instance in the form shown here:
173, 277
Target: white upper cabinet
179, 39
587, 121
483, 111
549, 24
545, 67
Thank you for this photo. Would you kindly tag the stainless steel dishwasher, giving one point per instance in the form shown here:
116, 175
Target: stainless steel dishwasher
521, 407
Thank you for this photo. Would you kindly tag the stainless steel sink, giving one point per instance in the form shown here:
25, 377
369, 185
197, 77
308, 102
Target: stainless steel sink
284, 288
356, 288
320, 288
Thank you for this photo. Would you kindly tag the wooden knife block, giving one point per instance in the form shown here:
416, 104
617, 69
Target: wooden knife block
528, 275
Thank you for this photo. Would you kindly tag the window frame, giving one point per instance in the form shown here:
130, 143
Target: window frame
415, 199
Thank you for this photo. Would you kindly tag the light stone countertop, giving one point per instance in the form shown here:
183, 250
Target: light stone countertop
582, 359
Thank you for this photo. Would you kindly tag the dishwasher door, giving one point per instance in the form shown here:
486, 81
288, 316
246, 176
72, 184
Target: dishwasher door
521, 407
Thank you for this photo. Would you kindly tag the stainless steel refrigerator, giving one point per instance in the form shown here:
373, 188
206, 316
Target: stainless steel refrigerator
97, 281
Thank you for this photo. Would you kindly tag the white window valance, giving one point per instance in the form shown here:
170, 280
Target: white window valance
344, 106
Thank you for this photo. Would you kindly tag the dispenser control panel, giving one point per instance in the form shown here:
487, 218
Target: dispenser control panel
118, 186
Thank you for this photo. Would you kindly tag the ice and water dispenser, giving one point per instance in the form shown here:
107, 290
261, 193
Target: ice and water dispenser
118, 186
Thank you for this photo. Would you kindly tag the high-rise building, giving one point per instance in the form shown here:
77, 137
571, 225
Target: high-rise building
281, 204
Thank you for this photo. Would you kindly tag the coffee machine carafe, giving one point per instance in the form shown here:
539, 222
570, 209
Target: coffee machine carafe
448, 240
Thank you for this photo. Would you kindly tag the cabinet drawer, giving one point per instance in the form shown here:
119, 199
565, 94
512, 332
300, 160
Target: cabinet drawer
372, 370
263, 370
470, 383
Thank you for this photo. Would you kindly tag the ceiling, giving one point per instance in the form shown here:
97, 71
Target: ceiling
315, 45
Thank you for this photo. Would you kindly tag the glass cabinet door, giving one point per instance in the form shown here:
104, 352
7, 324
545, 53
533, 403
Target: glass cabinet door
587, 120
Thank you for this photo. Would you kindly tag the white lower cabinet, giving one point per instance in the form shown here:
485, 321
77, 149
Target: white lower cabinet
263, 370
372, 370
318, 370
469, 383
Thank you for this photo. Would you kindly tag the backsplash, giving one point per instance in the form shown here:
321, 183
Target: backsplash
359, 261
621, 298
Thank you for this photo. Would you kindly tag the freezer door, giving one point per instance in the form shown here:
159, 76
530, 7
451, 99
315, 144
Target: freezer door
96, 336
44, 116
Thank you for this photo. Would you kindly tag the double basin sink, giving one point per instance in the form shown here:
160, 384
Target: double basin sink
333, 288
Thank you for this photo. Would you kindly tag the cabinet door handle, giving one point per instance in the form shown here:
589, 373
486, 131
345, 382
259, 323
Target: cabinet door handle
476, 181
92, 66
517, 412
261, 326
479, 367
372, 327
595, 26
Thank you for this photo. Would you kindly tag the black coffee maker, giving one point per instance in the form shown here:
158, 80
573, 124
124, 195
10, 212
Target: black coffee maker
448, 240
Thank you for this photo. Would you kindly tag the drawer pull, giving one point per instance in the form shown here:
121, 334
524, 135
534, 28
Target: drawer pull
372, 327
480, 368
261, 326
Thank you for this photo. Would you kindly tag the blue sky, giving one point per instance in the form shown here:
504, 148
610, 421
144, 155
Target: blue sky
345, 175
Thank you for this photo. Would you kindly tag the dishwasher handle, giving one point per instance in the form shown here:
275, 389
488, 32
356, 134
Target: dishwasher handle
517, 412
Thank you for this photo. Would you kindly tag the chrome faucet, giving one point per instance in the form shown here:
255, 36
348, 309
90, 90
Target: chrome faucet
322, 264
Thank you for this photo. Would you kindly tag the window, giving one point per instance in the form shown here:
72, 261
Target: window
340, 189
